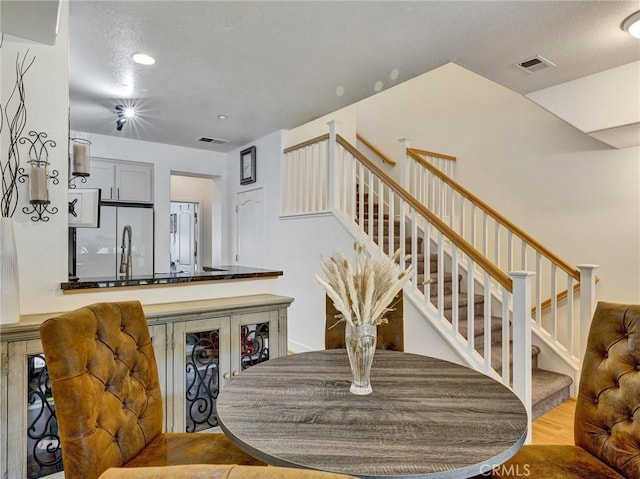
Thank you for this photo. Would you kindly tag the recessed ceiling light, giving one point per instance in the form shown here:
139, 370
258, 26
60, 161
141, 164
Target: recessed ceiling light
143, 59
222, 117
631, 24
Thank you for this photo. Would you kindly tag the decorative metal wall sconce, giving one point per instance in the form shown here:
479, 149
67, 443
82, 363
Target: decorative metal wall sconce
38, 176
80, 162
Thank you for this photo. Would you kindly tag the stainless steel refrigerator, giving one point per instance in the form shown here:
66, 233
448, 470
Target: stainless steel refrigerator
98, 251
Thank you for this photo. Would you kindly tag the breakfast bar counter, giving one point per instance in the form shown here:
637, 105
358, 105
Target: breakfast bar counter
218, 273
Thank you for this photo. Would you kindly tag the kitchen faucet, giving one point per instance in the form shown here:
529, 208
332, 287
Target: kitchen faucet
126, 261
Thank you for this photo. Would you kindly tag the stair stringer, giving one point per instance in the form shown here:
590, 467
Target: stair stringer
426, 310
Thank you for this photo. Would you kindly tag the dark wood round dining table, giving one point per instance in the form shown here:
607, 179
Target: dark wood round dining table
426, 417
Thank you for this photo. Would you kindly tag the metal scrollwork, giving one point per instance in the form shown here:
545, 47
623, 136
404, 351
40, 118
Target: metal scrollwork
38, 154
39, 211
43, 441
255, 344
73, 179
202, 380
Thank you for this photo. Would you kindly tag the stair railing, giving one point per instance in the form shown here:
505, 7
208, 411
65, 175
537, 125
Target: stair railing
509, 247
305, 177
384, 158
390, 217
362, 196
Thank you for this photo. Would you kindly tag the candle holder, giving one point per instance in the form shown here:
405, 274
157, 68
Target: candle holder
39, 176
79, 163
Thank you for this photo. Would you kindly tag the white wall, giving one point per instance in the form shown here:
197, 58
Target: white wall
579, 197
42, 246
603, 100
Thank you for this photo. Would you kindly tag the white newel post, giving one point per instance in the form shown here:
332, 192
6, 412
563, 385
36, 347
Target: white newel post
522, 339
587, 303
332, 187
404, 165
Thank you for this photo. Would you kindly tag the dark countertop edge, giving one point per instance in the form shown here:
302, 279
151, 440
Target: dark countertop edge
228, 274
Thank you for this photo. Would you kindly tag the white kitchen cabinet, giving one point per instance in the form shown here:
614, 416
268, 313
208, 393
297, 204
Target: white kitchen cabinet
199, 347
121, 180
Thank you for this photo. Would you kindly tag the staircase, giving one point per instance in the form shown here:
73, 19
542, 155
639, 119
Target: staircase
549, 389
493, 275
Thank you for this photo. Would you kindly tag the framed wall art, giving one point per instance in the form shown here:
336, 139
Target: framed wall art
248, 165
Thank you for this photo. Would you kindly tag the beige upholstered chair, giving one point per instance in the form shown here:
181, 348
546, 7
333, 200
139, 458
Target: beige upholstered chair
218, 472
106, 391
607, 419
390, 334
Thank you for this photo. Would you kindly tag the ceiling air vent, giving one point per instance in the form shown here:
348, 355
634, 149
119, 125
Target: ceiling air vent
215, 141
534, 64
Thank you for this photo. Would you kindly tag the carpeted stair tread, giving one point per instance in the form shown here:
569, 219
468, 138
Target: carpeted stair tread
549, 389
433, 289
496, 356
478, 330
478, 306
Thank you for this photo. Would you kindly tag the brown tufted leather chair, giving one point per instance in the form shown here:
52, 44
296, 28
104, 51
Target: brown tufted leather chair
218, 472
107, 396
390, 334
607, 419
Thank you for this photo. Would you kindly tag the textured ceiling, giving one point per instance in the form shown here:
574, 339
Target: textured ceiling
276, 65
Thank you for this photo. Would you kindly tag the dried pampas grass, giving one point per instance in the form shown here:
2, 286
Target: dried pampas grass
363, 295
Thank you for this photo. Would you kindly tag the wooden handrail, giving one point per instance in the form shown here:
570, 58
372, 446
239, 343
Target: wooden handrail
312, 141
559, 297
455, 238
566, 267
378, 153
434, 155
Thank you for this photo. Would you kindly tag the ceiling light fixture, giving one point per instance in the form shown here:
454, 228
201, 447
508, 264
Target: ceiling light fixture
631, 24
143, 59
124, 113
222, 117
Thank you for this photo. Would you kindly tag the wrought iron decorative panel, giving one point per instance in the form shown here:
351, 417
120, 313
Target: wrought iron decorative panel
202, 379
254, 344
44, 455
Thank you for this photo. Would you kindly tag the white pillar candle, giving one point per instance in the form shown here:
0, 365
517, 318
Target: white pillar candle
80, 159
38, 192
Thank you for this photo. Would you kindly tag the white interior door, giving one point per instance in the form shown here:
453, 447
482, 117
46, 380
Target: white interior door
252, 229
184, 237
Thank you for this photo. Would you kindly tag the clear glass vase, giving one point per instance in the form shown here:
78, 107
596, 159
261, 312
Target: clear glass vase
361, 346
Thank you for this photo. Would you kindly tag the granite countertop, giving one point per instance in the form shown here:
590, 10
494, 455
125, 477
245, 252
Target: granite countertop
218, 273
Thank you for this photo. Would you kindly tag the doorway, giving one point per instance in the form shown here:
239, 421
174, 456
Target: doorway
183, 231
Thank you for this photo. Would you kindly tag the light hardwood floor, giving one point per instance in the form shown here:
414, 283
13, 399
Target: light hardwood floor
556, 426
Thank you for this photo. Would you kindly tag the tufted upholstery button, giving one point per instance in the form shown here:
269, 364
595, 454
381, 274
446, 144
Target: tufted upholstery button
637, 367
606, 354
595, 400
626, 335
